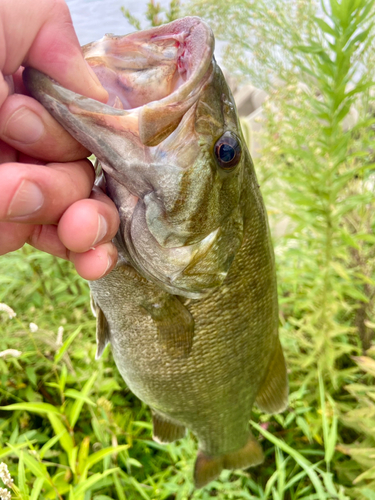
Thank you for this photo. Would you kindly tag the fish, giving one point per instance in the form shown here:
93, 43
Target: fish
191, 309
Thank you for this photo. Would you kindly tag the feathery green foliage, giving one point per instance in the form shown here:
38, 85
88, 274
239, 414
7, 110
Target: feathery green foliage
155, 14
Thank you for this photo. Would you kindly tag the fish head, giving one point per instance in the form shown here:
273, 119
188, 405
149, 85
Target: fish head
171, 148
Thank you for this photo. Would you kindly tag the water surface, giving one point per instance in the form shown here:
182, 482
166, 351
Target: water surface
92, 19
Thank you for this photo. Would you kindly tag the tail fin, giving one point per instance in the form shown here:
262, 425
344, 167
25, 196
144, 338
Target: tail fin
208, 468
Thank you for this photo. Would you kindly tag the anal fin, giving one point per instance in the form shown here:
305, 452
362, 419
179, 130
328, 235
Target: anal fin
102, 328
273, 394
208, 468
165, 431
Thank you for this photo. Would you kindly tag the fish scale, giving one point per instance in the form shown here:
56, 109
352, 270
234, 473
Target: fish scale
191, 308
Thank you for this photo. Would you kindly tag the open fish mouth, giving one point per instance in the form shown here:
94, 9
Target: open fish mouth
159, 72
159, 168
152, 77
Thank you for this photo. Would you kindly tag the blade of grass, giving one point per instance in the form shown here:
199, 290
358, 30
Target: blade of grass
37, 488
32, 407
301, 460
60, 353
78, 403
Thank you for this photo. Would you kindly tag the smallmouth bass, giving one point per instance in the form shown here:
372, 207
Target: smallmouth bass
191, 307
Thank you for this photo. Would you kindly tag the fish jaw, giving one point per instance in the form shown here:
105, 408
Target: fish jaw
159, 169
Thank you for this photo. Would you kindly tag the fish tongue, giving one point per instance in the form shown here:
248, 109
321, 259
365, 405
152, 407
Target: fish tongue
138, 71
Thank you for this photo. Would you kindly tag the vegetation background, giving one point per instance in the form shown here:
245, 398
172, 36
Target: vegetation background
69, 428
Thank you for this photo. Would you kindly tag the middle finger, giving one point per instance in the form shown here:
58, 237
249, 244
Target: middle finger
39, 194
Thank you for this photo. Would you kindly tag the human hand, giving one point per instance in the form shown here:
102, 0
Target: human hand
47, 197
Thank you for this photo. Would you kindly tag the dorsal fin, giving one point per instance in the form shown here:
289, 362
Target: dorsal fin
273, 394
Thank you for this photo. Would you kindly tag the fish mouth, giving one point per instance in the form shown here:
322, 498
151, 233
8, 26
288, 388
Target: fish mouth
154, 71
152, 77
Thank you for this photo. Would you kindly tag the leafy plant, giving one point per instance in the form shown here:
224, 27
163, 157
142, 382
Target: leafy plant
155, 14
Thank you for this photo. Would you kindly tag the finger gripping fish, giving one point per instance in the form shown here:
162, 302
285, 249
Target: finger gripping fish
191, 308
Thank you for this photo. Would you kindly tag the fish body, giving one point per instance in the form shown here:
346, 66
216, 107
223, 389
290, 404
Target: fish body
191, 308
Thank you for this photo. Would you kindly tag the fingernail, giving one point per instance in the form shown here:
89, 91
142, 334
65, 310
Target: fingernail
27, 200
102, 229
24, 126
109, 265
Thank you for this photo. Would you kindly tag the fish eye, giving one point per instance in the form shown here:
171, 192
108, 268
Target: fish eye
228, 151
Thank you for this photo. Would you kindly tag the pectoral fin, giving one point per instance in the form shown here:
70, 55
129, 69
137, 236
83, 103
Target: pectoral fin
102, 328
175, 324
273, 394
